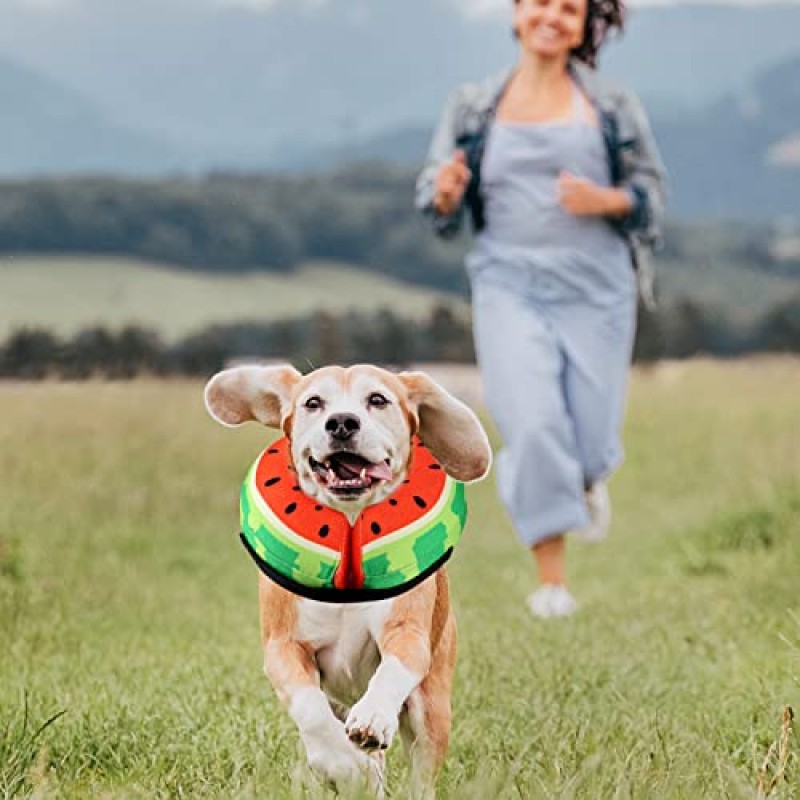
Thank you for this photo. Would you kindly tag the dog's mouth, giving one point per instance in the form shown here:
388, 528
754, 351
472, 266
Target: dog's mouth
349, 474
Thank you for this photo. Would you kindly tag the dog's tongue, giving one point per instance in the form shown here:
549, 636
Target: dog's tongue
356, 465
381, 472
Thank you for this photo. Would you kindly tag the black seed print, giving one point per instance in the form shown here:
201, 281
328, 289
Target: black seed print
324, 531
407, 481
393, 502
317, 508
272, 481
273, 451
419, 501
291, 508
295, 488
434, 466
375, 528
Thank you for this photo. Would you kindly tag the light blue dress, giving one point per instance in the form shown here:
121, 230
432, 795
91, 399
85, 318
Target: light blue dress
554, 307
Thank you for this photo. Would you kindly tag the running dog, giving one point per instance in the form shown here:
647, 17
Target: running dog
357, 650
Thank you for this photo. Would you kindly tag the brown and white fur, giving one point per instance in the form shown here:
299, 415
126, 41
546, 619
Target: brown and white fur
351, 675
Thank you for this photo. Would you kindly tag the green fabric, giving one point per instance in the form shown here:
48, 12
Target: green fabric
387, 564
265, 536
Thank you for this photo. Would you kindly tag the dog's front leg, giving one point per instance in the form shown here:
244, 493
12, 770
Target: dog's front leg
405, 660
292, 671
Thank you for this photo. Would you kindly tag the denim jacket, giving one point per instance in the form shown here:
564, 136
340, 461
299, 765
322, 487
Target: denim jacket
633, 160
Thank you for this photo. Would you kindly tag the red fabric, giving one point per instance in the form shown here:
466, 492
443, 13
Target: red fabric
277, 484
350, 572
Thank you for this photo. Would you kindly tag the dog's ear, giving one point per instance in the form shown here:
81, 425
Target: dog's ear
242, 394
448, 428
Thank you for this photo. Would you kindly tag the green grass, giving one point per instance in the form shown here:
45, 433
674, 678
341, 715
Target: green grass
128, 607
66, 294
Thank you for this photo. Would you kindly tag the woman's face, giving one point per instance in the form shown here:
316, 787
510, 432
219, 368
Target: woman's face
550, 28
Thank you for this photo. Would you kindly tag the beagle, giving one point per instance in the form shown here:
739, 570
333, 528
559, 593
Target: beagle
355, 664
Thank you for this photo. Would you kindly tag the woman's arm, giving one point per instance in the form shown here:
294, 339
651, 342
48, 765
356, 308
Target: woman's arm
584, 198
635, 204
643, 173
440, 154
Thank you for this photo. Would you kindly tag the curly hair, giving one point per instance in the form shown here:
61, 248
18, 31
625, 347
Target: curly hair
602, 16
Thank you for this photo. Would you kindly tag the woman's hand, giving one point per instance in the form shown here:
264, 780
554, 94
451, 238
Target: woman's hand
451, 183
584, 198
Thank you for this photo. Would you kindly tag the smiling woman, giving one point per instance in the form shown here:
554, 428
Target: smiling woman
564, 185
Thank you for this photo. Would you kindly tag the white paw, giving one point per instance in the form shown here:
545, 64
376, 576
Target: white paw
371, 725
346, 767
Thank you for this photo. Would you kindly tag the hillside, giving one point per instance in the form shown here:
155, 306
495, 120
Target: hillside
65, 295
229, 231
47, 127
736, 157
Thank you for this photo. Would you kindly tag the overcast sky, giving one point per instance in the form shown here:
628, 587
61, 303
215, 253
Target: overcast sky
176, 68
469, 6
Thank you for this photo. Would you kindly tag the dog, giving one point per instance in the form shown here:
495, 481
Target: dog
352, 674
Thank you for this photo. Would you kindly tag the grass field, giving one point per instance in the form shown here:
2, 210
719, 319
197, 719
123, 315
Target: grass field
128, 608
66, 294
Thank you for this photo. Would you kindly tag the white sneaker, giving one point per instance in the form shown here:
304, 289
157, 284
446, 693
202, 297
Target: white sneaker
552, 601
598, 504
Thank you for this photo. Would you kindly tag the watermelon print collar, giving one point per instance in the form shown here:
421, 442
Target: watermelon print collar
312, 550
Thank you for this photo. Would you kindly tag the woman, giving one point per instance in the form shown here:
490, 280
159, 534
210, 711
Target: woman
564, 185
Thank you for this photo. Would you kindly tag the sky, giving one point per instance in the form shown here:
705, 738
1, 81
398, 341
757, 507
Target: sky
468, 6
500, 6
177, 69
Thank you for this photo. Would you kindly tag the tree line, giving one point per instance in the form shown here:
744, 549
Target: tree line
680, 330
308, 341
234, 223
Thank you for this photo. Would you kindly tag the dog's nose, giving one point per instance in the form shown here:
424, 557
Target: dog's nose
342, 426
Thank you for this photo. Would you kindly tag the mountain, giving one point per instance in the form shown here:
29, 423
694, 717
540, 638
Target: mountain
739, 156
688, 54
49, 128
245, 85
312, 84
402, 147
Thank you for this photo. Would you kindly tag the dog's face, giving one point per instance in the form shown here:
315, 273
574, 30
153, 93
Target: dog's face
351, 435
350, 429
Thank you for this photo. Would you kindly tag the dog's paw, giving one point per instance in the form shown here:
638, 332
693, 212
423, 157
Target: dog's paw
345, 767
371, 725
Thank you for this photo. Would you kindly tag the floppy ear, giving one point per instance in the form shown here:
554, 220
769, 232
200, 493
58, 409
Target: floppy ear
448, 428
249, 393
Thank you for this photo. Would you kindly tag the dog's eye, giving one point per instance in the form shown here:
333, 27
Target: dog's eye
377, 400
314, 403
